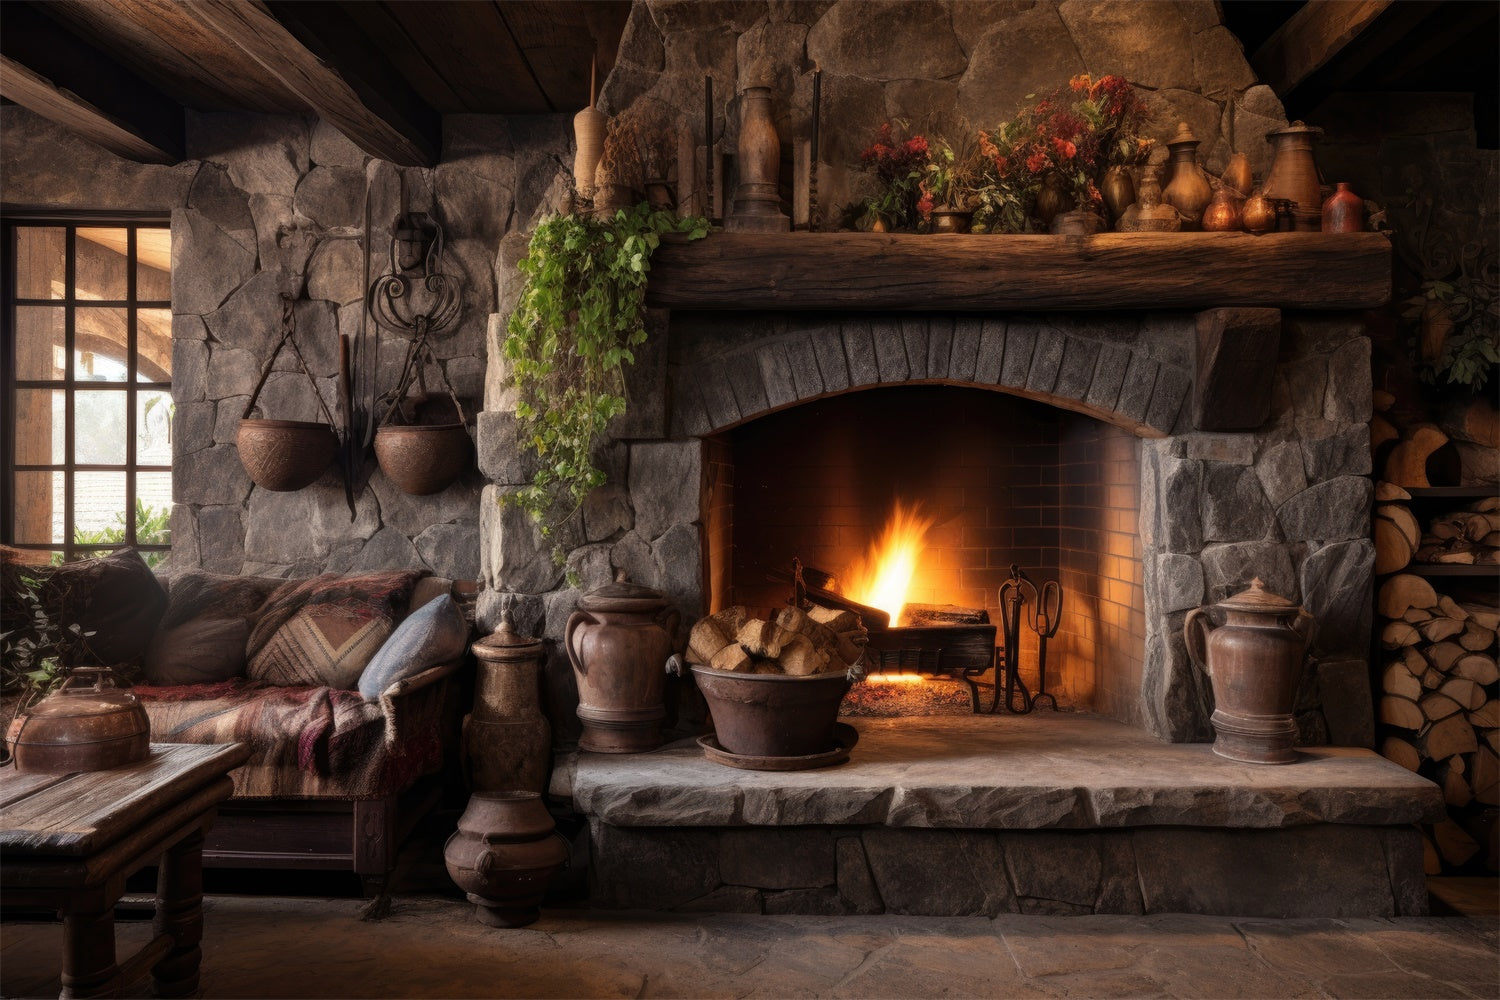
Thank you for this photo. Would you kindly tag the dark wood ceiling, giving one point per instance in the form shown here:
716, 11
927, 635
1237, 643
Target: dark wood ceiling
121, 71
384, 72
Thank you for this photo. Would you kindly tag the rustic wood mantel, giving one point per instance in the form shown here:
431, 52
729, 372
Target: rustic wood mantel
1112, 271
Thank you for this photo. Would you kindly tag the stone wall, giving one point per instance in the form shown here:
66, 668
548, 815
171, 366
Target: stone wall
254, 189
934, 64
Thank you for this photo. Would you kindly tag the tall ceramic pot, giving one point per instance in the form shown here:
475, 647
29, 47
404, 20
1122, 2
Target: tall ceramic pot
1254, 660
1344, 211
507, 739
504, 855
1294, 174
757, 206
619, 641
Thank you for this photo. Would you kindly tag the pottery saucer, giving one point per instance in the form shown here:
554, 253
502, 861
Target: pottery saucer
844, 735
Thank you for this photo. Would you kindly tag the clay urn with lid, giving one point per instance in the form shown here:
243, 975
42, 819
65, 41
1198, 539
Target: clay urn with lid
1294, 174
619, 641
1255, 660
507, 739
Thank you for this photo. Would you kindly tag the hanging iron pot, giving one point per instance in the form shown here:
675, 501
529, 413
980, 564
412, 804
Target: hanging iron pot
285, 455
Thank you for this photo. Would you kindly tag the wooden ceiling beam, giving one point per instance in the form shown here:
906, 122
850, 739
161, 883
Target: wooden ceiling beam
327, 66
1311, 38
68, 81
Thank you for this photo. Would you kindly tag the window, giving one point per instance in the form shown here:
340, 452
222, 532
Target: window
87, 391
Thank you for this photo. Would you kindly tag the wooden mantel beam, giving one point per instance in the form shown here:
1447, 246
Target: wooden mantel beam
320, 63
1311, 38
1113, 271
65, 80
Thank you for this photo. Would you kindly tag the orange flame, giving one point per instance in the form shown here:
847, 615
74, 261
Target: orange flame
882, 577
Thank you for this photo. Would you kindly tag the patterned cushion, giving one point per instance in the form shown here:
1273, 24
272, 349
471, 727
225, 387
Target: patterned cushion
323, 631
433, 634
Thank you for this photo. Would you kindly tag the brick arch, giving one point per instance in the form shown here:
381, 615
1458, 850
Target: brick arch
1106, 369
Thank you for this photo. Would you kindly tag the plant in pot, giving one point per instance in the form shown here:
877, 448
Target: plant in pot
953, 179
899, 166
580, 315
1050, 156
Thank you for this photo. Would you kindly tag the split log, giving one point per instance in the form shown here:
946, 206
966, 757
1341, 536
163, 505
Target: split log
1492, 737
1454, 845
1438, 629
1477, 525
1464, 691
1450, 608
1488, 505
733, 659
1412, 657
1398, 634
1386, 492
1416, 616
1397, 537
1475, 637
1437, 706
1401, 712
1443, 654
1453, 553
919, 615
1486, 616
1456, 790
1397, 680
1393, 748
1381, 400
1404, 591
1477, 667
1452, 735
1423, 457
1432, 679
708, 637
1382, 432
1484, 777
792, 642
1486, 716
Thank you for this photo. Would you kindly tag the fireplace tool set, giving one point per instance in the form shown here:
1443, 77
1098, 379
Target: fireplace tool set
957, 642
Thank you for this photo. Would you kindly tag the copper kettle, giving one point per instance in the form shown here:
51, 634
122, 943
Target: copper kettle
90, 723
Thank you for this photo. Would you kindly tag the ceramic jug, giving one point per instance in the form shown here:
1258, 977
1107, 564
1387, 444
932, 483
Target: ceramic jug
507, 739
1254, 660
504, 854
1294, 174
1187, 188
618, 641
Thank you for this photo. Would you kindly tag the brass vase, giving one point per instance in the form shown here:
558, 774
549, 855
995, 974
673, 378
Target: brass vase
1118, 191
1187, 188
1223, 213
1294, 174
1258, 215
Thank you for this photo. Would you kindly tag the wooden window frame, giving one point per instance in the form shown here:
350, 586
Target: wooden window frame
11, 221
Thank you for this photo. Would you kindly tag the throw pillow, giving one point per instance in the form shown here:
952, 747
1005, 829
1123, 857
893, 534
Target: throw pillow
434, 633
322, 632
124, 608
203, 633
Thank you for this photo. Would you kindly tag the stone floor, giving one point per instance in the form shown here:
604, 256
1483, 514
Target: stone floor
430, 947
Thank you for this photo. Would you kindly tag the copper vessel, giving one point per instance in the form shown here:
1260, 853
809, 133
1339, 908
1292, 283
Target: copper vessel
618, 641
507, 738
1294, 173
284, 455
1223, 213
87, 724
1237, 174
1258, 215
1344, 211
1050, 201
422, 459
1118, 191
1255, 661
1187, 188
504, 855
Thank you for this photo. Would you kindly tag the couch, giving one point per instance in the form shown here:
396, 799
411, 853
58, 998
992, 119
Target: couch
347, 688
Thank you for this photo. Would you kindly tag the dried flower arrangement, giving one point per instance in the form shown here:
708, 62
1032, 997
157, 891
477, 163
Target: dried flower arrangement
899, 165
620, 163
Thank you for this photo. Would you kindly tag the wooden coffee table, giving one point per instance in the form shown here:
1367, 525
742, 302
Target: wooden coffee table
68, 842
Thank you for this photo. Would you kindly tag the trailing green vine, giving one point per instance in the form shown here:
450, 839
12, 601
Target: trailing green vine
581, 314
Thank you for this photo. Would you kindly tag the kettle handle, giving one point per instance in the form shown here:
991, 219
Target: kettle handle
1195, 629
576, 619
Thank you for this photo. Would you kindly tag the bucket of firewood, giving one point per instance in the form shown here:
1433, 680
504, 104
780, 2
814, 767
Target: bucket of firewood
774, 684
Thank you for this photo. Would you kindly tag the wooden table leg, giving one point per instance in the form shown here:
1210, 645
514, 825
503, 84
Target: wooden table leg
179, 913
89, 968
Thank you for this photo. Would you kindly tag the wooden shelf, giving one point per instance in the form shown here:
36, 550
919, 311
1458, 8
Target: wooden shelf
1111, 271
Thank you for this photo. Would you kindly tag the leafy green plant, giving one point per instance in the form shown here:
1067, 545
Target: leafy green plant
580, 316
1457, 337
153, 526
35, 647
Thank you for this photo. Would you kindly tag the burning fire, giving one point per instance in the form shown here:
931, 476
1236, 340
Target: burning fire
882, 577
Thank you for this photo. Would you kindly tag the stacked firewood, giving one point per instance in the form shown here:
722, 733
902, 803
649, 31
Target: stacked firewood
1468, 537
792, 641
1438, 701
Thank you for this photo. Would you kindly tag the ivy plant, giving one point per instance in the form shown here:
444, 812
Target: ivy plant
580, 315
1469, 346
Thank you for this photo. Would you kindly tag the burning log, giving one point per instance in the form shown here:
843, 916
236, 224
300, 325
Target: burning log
917, 615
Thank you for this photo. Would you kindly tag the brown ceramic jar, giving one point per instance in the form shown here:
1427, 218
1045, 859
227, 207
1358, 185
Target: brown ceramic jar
504, 855
618, 641
1344, 211
1255, 661
507, 738
1294, 173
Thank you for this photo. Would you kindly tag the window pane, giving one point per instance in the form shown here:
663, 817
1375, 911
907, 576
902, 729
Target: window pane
41, 342
39, 427
153, 272
41, 254
99, 430
153, 429
39, 508
153, 340
153, 501
100, 338
102, 267
99, 508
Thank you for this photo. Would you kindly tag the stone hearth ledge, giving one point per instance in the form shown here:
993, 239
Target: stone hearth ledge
1047, 771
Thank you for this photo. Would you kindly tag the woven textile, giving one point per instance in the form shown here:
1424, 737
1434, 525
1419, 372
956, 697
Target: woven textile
323, 631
